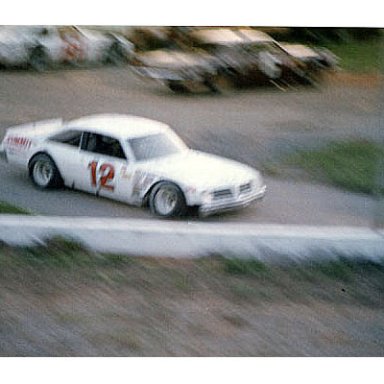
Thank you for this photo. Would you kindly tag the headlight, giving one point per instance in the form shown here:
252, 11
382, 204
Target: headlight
258, 181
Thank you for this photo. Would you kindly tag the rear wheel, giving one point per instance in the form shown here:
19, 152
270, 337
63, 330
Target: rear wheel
38, 59
115, 55
44, 173
167, 200
209, 82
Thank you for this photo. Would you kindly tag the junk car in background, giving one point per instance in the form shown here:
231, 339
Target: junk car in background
315, 59
178, 70
240, 56
249, 56
41, 47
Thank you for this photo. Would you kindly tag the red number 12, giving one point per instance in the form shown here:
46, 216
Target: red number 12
106, 175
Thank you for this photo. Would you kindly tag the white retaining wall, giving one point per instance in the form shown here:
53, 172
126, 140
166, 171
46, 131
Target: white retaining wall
164, 238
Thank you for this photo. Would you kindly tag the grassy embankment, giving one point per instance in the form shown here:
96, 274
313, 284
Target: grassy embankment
351, 165
358, 56
65, 301
233, 274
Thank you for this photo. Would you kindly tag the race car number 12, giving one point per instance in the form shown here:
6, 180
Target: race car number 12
102, 175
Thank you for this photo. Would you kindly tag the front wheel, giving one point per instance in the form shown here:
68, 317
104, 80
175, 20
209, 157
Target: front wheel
44, 173
177, 86
167, 200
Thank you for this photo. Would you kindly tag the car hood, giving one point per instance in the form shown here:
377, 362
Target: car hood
173, 59
300, 51
201, 170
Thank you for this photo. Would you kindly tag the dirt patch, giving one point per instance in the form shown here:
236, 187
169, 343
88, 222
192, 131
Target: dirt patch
120, 306
364, 80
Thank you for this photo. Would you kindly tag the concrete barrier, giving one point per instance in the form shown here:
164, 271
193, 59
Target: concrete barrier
164, 238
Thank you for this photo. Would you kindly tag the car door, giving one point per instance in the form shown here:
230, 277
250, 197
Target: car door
105, 168
64, 148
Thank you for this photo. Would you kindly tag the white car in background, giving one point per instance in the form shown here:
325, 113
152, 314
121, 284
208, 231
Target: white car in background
315, 58
131, 159
180, 71
40, 47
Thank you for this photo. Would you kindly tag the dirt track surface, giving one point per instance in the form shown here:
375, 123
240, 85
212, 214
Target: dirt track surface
254, 126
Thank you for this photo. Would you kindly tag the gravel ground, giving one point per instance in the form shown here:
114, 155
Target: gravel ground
151, 307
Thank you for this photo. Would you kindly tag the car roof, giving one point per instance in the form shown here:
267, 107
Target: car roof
118, 125
222, 36
299, 50
171, 58
253, 36
226, 36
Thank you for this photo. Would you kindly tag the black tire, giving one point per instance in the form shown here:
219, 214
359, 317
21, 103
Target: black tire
210, 84
167, 200
38, 59
177, 86
115, 55
44, 173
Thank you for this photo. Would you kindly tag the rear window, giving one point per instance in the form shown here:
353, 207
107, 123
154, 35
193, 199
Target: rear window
153, 146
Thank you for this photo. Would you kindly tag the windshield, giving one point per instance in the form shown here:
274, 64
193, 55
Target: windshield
153, 146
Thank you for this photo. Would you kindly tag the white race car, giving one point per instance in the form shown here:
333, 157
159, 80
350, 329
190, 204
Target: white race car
131, 159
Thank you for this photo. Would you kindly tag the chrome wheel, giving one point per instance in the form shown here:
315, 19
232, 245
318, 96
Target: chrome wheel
42, 172
167, 200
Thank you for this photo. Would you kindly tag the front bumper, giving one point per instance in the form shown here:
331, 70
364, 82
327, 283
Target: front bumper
232, 203
156, 73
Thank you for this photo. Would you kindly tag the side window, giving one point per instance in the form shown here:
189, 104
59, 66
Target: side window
70, 137
104, 145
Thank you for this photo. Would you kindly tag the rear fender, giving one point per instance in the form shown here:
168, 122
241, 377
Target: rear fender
42, 152
38, 129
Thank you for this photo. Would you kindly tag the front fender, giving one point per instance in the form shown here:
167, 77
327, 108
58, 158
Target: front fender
142, 184
144, 193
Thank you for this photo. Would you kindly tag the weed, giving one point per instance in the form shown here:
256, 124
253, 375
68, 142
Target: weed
62, 244
183, 282
243, 291
271, 169
243, 267
6, 208
58, 252
338, 270
116, 260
